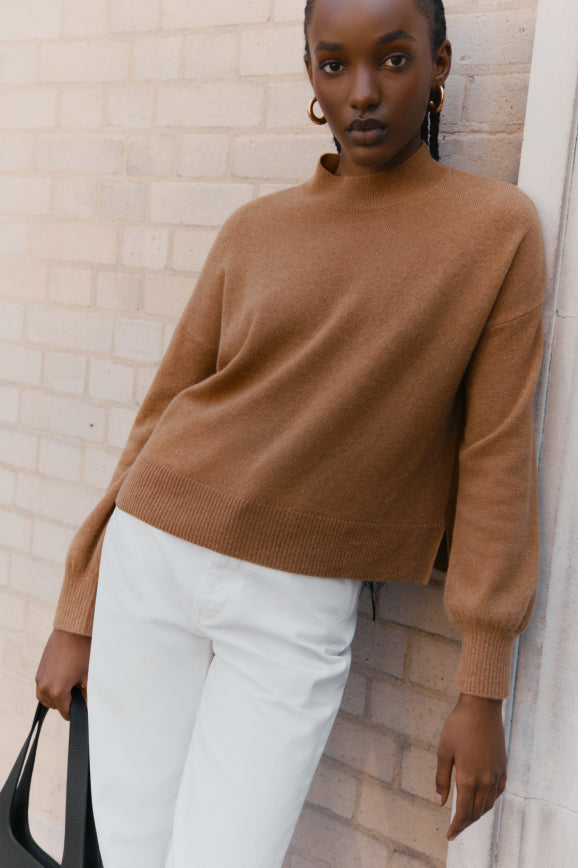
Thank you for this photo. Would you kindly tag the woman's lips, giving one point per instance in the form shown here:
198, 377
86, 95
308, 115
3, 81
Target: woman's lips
366, 133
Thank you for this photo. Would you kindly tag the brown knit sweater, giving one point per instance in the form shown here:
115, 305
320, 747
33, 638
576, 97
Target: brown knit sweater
351, 380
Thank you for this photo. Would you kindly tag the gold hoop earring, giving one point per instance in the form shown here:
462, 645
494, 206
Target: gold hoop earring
436, 109
312, 116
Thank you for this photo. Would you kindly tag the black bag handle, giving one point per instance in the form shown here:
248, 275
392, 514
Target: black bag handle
17, 847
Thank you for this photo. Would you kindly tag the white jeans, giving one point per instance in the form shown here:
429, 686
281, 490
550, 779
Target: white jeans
202, 761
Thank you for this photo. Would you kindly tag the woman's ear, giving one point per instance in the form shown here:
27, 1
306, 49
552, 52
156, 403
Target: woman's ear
442, 63
308, 67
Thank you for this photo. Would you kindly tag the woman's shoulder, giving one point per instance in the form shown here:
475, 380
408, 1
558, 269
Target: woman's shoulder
492, 197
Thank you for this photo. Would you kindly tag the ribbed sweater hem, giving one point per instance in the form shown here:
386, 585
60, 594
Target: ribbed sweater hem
273, 536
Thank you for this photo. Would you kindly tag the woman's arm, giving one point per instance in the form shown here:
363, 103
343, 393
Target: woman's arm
493, 568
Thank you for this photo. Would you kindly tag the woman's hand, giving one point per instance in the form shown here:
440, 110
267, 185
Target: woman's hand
473, 741
64, 665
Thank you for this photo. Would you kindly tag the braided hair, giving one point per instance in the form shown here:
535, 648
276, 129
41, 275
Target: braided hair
435, 13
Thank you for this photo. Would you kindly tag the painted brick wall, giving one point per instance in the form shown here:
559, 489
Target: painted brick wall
129, 130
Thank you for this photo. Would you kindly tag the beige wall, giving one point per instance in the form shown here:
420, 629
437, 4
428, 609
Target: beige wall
129, 130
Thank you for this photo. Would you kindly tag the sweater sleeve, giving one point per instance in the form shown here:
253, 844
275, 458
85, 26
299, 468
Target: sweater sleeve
190, 357
493, 568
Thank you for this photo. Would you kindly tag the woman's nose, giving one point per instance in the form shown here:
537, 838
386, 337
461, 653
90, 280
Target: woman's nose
364, 93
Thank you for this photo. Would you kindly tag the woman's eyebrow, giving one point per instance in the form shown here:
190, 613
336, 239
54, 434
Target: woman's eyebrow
385, 39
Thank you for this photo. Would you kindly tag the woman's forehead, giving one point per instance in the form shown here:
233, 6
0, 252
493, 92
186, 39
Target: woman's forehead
356, 17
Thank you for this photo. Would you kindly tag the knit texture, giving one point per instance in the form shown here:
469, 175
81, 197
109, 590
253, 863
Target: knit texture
352, 379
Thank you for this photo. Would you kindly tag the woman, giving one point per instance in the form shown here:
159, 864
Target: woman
350, 385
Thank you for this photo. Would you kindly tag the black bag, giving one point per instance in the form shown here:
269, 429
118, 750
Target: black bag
17, 847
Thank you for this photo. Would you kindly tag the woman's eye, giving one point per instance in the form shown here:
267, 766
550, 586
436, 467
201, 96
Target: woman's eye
396, 61
331, 66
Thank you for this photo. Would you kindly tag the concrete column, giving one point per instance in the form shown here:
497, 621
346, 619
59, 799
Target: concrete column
536, 824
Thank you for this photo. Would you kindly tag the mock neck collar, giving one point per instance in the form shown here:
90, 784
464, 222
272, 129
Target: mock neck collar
417, 174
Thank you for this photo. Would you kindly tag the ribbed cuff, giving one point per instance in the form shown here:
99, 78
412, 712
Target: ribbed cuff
484, 668
75, 610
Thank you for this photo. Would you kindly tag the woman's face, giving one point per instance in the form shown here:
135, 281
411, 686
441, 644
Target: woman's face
372, 71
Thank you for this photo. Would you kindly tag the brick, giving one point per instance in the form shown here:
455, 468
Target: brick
30, 19
416, 606
399, 708
157, 58
74, 242
404, 860
292, 156
168, 332
144, 247
211, 104
81, 107
72, 417
433, 663
495, 155
331, 839
54, 499
120, 422
13, 238
18, 448
60, 459
211, 55
32, 108
65, 372
380, 647
196, 203
138, 339
287, 105
130, 107
110, 381
70, 286
74, 197
85, 19
334, 790
498, 101
272, 51
23, 280
84, 61
354, 695
363, 747
50, 541
492, 38
70, 329
132, 16
15, 530
18, 64
288, 10
401, 818
118, 291
7, 486
16, 152
190, 248
5, 561
121, 201
99, 465
40, 617
144, 378
9, 403
71, 153
149, 156
203, 155
13, 611
11, 321
20, 364
183, 13
39, 579
418, 772
165, 295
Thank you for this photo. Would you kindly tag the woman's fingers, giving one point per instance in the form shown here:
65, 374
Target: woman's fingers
464, 809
